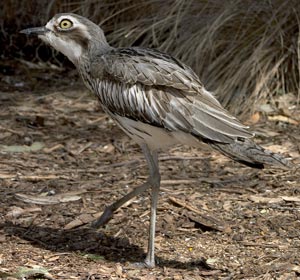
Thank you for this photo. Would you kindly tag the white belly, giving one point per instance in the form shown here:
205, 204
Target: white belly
155, 137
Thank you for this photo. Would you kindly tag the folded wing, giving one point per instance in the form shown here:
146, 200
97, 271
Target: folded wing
152, 87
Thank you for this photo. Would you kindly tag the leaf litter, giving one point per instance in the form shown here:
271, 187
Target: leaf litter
216, 218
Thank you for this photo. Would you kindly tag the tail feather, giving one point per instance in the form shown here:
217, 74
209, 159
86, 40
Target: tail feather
247, 152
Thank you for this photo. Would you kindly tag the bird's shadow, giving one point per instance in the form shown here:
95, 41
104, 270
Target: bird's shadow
87, 241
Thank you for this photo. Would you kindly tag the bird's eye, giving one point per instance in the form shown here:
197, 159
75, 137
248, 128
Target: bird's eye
65, 24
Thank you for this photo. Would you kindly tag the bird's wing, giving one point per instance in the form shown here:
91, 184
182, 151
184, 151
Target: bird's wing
152, 68
153, 87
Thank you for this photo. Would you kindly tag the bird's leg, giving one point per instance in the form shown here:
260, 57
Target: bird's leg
109, 210
154, 180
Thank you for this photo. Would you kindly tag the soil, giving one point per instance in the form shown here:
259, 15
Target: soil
63, 160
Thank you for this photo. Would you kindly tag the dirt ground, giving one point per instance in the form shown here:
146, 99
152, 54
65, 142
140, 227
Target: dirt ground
63, 161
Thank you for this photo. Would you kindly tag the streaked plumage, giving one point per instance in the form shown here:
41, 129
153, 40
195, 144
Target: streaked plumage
156, 99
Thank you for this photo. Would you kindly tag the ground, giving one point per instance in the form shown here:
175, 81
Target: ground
63, 160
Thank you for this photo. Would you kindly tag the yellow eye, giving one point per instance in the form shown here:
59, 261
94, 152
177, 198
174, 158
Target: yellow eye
65, 24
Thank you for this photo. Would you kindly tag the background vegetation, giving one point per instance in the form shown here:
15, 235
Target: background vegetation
247, 51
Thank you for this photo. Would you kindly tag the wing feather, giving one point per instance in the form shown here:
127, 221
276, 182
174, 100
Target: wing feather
155, 88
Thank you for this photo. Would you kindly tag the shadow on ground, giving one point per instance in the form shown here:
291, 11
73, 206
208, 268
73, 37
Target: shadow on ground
88, 241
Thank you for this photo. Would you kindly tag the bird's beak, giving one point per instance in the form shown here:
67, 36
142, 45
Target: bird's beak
35, 31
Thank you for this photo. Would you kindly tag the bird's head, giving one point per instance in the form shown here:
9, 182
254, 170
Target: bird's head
70, 34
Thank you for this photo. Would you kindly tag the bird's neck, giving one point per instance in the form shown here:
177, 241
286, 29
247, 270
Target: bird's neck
94, 50
97, 48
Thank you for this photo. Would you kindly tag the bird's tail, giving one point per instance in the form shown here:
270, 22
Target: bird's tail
247, 152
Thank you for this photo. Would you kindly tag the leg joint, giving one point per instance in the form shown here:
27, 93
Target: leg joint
154, 179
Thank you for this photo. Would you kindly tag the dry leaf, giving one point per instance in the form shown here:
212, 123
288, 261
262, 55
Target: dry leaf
16, 212
266, 132
254, 118
36, 146
73, 224
266, 108
30, 178
150, 277
278, 148
54, 148
291, 198
119, 270
108, 149
227, 205
281, 118
79, 221
295, 268
52, 259
262, 199
177, 277
34, 272
49, 200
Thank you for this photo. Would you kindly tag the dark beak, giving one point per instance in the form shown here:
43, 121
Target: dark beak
35, 31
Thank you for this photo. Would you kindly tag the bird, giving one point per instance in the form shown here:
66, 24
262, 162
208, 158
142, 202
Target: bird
156, 99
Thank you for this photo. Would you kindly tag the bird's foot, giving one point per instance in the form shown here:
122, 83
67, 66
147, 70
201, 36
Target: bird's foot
144, 264
150, 261
149, 264
105, 217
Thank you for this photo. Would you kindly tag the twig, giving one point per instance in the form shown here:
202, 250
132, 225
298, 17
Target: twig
256, 244
185, 205
202, 219
12, 131
31, 178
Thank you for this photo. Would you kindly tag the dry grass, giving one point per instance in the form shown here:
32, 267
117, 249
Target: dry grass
246, 51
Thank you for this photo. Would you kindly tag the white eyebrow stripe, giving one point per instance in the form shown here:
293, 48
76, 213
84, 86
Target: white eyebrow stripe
69, 17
